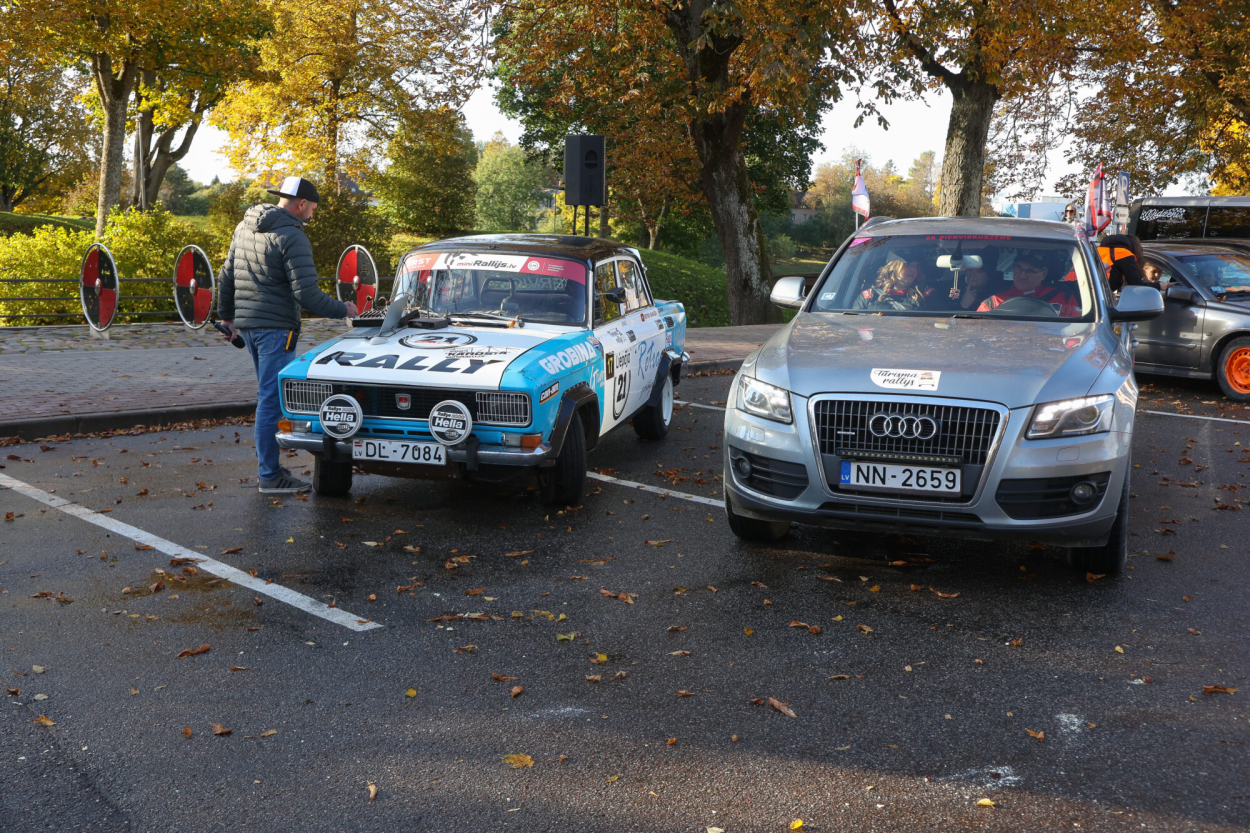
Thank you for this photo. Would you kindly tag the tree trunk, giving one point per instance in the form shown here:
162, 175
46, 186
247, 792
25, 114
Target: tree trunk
114, 92
717, 138
731, 199
6, 200
657, 228
604, 231
966, 135
143, 146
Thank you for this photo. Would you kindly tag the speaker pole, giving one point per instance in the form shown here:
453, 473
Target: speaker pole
586, 220
575, 219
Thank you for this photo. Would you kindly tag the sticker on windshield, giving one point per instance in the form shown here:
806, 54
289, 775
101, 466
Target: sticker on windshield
906, 379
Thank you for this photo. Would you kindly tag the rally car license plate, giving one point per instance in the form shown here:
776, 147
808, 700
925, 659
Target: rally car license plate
880, 477
399, 451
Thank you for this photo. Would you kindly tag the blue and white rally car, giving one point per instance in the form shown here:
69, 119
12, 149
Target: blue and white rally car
496, 353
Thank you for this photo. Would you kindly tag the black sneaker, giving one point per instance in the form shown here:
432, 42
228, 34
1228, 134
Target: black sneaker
283, 484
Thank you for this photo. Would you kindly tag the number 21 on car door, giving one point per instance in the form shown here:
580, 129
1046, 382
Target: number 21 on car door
613, 331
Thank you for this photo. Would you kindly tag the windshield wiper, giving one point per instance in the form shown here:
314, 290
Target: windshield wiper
509, 320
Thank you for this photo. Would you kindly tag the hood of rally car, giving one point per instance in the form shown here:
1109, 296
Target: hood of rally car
452, 357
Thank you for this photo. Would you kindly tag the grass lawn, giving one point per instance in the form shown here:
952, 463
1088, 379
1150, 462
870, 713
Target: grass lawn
200, 221
700, 288
11, 223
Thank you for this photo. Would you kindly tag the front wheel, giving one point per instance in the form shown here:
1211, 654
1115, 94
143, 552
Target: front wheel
331, 479
753, 529
561, 484
1111, 557
1233, 370
652, 421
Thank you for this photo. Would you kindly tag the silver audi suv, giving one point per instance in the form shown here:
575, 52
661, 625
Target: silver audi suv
953, 376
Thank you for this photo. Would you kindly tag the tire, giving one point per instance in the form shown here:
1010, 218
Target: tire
1111, 557
752, 529
1232, 370
562, 484
652, 421
331, 479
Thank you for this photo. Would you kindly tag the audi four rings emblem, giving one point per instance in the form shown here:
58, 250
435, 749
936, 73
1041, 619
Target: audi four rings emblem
901, 426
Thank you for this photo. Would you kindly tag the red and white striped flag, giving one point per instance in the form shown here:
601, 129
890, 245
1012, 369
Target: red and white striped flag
1097, 204
859, 194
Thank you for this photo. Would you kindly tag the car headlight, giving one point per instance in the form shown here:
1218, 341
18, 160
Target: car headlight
764, 400
1072, 417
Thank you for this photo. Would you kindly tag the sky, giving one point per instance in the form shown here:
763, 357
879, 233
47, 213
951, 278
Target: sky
915, 126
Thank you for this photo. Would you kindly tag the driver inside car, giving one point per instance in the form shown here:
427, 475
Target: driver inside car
1028, 280
895, 288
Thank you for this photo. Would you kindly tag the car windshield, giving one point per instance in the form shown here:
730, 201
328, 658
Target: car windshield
548, 290
997, 277
1221, 272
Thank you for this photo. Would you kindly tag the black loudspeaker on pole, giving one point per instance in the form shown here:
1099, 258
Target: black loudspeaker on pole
585, 173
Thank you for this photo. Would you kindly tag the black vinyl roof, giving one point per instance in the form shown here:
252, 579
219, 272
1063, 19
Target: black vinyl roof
554, 245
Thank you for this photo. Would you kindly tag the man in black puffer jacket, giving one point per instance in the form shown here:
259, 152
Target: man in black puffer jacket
268, 275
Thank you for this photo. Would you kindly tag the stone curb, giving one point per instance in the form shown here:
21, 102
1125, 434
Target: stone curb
32, 429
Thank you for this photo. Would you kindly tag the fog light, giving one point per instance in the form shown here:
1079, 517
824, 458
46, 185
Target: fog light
742, 467
1083, 492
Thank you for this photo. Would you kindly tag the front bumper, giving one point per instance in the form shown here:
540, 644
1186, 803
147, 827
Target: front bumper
477, 454
979, 517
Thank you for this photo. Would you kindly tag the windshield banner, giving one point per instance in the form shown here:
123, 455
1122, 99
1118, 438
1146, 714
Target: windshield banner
491, 262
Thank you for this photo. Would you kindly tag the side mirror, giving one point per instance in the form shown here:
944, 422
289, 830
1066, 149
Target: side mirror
788, 293
1137, 303
616, 296
1181, 294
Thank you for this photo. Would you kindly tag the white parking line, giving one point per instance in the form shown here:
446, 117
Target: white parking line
655, 490
1194, 416
208, 565
698, 405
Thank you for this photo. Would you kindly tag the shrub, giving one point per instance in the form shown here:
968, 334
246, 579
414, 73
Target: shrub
144, 245
781, 247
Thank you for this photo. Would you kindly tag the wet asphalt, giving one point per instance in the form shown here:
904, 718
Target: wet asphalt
909, 707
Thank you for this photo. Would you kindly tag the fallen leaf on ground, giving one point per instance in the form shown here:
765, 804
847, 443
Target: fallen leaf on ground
190, 652
476, 592
660, 543
942, 595
43, 720
863, 628
144, 546
758, 584
1218, 689
1194, 631
412, 692
218, 729
985, 802
1041, 736
518, 552
517, 690
840, 677
373, 791
186, 733
672, 628
518, 761
784, 708
268, 733
504, 678
1093, 577
681, 692
797, 624
797, 824
679, 653
466, 649
240, 668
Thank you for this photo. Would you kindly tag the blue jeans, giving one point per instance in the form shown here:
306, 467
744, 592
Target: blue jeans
271, 351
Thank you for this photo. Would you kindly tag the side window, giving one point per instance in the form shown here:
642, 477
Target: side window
1171, 221
635, 290
605, 281
1157, 272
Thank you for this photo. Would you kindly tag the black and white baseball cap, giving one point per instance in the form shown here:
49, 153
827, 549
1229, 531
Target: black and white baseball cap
297, 188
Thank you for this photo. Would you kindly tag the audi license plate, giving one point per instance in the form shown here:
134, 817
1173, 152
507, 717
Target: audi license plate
399, 451
884, 478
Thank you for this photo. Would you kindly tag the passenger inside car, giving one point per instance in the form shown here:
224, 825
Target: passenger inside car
975, 286
895, 288
1152, 274
1029, 289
